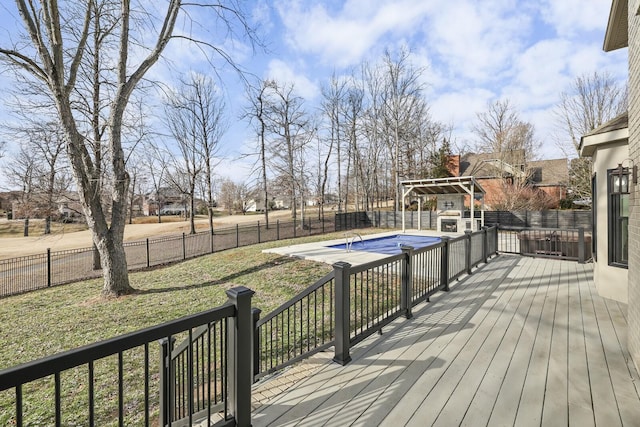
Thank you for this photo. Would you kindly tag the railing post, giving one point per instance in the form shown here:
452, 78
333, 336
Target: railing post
148, 255
467, 250
485, 245
342, 304
166, 382
48, 267
255, 313
240, 364
444, 265
184, 246
406, 288
581, 251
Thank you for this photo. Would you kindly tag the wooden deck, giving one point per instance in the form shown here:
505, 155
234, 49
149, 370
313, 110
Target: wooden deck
522, 341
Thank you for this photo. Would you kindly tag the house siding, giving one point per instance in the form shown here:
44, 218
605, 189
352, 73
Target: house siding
634, 154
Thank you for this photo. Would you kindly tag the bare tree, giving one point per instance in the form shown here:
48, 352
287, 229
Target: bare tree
23, 173
333, 100
591, 100
402, 91
256, 113
60, 43
155, 160
195, 118
509, 140
288, 122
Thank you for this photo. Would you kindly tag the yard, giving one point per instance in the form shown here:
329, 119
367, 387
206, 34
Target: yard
48, 321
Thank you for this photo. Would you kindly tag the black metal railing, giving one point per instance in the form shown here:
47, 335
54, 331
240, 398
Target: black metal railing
569, 244
120, 378
208, 375
297, 329
52, 268
353, 302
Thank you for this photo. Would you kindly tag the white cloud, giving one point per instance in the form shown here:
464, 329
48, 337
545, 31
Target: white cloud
570, 17
477, 41
347, 36
282, 72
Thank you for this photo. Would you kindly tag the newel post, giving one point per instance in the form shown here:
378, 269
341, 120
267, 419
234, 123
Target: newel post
240, 364
342, 304
406, 288
444, 265
467, 250
581, 248
255, 312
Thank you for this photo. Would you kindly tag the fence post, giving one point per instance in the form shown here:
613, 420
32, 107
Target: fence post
237, 236
240, 364
166, 382
581, 251
323, 232
294, 227
258, 231
148, 257
277, 229
406, 288
211, 240
485, 245
255, 312
342, 304
184, 246
444, 265
48, 267
467, 250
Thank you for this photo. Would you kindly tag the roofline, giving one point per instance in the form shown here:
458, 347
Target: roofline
588, 143
618, 15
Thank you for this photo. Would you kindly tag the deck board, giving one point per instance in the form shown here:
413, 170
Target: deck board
521, 341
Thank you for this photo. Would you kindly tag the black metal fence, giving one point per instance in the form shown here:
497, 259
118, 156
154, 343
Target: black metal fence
28, 273
120, 379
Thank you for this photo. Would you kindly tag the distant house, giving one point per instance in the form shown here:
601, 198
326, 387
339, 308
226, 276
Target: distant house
498, 173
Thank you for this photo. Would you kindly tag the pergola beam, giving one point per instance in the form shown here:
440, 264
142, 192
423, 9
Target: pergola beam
435, 186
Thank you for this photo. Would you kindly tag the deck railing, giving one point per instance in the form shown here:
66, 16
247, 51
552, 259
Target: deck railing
363, 299
120, 378
220, 352
569, 244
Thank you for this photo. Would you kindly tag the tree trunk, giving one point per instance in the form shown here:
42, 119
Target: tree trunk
113, 261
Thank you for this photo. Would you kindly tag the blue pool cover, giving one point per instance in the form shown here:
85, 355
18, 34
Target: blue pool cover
389, 245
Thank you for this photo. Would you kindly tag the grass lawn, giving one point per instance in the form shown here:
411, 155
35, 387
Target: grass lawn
48, 321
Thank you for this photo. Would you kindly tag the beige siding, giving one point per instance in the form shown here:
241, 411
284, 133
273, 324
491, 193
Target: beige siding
634, 152
611, 282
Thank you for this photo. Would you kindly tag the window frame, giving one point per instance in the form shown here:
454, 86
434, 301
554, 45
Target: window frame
615, 202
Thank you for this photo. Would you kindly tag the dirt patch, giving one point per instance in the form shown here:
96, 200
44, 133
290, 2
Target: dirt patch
11, 247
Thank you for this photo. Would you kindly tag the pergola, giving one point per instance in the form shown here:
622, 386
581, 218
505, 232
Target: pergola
434, 186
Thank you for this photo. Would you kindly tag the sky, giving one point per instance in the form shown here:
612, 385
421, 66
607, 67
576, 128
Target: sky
473, 52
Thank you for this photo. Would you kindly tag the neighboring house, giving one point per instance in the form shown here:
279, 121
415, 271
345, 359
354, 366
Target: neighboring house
166, 200
623, 29
66, 205
608, 147
498, 173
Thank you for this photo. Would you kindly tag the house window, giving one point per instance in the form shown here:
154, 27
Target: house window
619, 217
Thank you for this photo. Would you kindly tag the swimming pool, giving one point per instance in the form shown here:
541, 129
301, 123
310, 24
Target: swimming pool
388, 245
